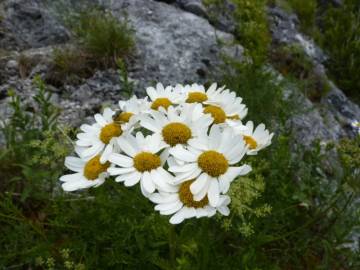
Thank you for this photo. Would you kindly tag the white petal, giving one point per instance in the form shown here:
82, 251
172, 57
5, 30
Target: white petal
93, 150
178, 217
117, 171
187, 176
130, 179
183, 168
168, 206
182, 154
126, 146
203, 192
215, 137
164, 198
199, 183
108, 114
224, 210
147, 182
121, 160
106, 154
213, 193
74, 163
71, 177
100, 120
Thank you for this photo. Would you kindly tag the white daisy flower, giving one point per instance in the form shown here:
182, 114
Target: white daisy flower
257, 139
228, 112
196, 93
182, 205
177, 126
162, 97
91, 173
99, 138
234, 108
141, 162
210, 160
356, 125
132, 107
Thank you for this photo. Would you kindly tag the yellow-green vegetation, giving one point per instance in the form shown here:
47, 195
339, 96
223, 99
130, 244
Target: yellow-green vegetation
252, 29
341, 34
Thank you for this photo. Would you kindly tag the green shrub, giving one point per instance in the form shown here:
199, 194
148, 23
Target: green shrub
306, 11
69, 64
341, 34
294, 64
103, 36
260, 90
251, 26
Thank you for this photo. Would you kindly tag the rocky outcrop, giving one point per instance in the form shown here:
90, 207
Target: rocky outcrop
28, 24
173, 46
329, 119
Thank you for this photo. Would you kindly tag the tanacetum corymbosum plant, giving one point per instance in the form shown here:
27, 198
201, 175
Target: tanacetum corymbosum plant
183, 145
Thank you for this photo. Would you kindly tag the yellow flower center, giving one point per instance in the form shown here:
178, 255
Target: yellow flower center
124, 117
187, 198
161, 102
234, 117
250, 142
196, 97
110, 131
93, 168
146, 161
213, 163
217, 113
176, 133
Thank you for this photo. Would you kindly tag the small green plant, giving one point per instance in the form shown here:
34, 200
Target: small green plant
69, 64
294, 64
259, 88
103, 36
25, 64
341, 33
251, 26
128, 86
306, 11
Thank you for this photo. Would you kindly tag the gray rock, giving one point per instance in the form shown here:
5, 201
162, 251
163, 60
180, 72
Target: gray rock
28, 24
193, 6
173, 46
284, 30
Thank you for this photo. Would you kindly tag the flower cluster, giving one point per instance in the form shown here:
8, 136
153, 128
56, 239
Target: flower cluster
183, 145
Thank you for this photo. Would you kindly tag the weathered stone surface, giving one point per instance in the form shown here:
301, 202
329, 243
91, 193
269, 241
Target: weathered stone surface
173, 46
331, 119
28, 24
284, 30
